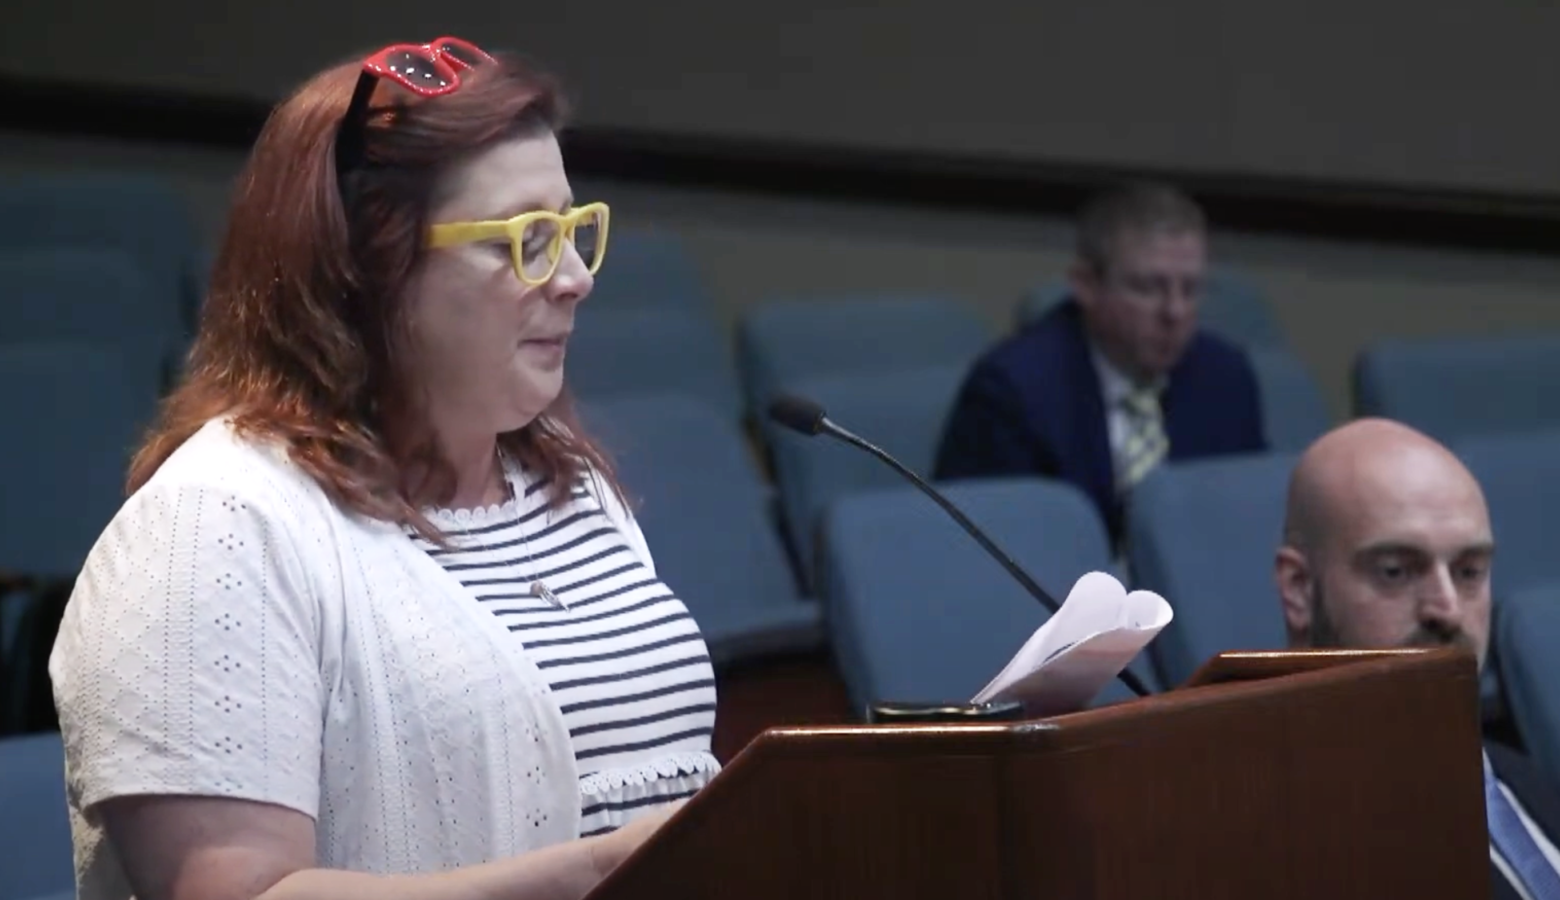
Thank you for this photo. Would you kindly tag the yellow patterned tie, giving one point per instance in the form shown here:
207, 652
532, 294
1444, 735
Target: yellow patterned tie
1146, 444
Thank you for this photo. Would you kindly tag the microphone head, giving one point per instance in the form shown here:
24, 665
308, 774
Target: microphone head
798, 414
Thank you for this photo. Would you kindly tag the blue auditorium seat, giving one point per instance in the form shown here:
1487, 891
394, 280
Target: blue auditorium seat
1527, 631
1520, 475
138, 214
76, 412
705, 515
903, 412
1293, 411
1203, 535
1232, 306
918, 612
99, 294
638, 350
1452, 388
784, 341
650, 270
35, 841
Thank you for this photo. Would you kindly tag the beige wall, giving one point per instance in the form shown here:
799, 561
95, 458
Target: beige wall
1332, 297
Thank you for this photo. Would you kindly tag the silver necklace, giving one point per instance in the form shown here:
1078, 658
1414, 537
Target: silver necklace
539, 588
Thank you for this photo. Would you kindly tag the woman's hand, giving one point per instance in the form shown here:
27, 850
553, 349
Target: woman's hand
611, 849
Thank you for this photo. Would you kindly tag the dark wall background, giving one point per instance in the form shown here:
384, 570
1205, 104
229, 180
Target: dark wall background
1400, 93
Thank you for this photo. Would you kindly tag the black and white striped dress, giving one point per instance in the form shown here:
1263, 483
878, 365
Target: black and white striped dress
624, 659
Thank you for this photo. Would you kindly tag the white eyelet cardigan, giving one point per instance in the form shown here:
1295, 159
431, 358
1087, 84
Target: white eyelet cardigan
235, 633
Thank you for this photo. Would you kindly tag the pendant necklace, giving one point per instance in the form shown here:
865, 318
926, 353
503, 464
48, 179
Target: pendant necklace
539, 588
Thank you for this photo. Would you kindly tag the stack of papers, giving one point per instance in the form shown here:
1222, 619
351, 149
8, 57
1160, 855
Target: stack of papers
1068, 660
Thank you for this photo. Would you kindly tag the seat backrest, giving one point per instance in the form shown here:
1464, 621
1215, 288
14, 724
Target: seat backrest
76, 412
1203, 534
903, 412
35, 839
1452, 388
1293, 411
785, 341
917, 611
635, 350
85, 293
651, 270
139, 214
692, 486
1232, 307
1527, 630
1520, 475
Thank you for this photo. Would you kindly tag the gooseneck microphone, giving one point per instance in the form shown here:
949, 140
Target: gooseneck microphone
807, 418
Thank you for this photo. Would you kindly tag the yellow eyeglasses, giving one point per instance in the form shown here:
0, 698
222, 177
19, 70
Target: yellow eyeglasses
536, 238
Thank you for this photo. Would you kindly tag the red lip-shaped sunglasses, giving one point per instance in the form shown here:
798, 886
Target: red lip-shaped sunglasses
428, 70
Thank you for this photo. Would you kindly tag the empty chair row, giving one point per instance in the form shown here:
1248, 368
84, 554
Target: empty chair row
625, 349
787, 343
77, 410
141, 217
1453, 388
88, 254
102, 294
784, 341
1448, 387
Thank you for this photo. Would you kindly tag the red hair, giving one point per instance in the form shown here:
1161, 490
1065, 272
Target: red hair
304, 319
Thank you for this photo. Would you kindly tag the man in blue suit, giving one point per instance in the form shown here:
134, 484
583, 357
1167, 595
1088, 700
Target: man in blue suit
1117, 378
1387, 543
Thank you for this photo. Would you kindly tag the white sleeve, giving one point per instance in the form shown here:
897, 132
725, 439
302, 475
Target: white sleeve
622, 519
188, 659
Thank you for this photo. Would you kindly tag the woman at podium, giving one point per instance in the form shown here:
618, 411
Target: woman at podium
375, 620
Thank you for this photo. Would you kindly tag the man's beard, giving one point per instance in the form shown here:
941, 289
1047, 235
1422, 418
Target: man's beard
1325, 636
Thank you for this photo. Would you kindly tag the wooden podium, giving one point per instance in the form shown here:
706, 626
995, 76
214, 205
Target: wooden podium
1274, 775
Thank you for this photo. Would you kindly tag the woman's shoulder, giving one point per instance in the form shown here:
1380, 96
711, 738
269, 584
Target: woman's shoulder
221, 474
223, 509
221, 458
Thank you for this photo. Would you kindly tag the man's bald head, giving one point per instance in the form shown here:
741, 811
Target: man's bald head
1365, 464
1387, 542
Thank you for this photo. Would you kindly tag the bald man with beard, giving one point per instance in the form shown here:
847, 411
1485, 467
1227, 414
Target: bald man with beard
1387, 543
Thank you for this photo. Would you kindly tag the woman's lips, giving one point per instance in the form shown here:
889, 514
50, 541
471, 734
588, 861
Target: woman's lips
546, 351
